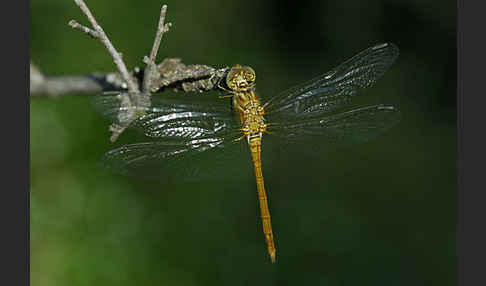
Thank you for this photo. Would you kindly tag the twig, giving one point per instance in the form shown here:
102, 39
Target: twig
136, 100
55, 86
176, 76
136, 97
170, 75
161, 29
100, 34
84, 29
63, 85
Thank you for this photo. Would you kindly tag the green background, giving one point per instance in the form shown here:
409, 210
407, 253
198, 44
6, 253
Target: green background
380, 213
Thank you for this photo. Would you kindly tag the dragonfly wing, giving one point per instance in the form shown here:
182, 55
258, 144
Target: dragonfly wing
172, 116
355, 126
188, 120
330, 90
169, 157
114, 105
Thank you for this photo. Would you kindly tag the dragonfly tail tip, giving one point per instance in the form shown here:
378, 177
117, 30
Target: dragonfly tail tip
272, 257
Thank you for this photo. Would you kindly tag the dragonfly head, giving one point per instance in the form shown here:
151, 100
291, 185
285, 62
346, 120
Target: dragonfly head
241, 78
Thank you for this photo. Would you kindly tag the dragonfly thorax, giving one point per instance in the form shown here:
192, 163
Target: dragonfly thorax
254, 127
250, 113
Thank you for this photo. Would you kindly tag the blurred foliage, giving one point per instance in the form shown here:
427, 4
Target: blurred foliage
381, 213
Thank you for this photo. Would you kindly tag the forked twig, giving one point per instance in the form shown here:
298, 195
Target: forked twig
170, 75
150, 69
138, 98
100, 34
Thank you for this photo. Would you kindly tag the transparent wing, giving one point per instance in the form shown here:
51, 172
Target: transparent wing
192, 138
112, 105
330, 90
173, 157
355, 126
185, 119
172, 116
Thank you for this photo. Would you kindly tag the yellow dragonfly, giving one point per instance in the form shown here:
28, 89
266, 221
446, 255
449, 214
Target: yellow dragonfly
183, 130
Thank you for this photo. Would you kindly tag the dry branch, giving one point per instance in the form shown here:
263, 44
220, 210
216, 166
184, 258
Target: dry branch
100, 35
150, 69
134, 92
137, 97
170, 75
137, 85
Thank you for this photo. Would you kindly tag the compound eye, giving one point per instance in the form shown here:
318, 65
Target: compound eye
233, 74
250, 77
250, 74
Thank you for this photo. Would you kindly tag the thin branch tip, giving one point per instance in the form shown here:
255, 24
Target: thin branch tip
162, 28
137, 94
163, 10
170, 73
76, 25
167, 27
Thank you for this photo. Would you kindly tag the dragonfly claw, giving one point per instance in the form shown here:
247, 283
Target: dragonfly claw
239, 138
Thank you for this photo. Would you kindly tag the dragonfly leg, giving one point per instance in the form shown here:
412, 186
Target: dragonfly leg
240, 108
225, 89
225, 96
265, 105
268, 125
239, 138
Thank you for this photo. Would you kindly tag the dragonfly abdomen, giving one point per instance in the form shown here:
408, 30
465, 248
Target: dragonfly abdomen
255, 149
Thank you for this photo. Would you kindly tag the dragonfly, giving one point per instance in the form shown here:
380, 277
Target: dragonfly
183, 130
